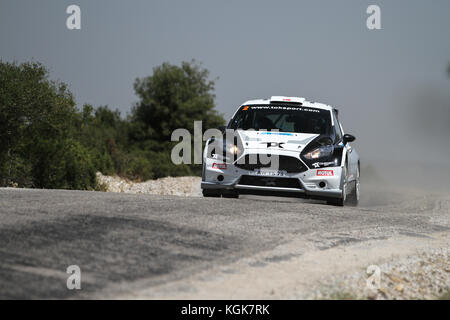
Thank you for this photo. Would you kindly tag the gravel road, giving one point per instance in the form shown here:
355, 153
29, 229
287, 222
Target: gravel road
151, 246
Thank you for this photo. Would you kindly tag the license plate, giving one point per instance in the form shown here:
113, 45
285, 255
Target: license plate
269, 173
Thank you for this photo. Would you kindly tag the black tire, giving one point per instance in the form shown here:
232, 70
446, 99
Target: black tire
210, 193
343, 199
339, 202
353, 197
230, 194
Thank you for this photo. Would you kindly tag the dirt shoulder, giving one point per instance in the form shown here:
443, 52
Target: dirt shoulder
410, 268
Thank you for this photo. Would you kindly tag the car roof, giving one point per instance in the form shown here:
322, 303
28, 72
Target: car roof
283, 99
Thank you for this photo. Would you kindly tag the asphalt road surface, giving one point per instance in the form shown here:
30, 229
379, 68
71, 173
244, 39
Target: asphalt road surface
124, 242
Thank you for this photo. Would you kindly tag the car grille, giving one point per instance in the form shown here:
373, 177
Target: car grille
270, 182
286, 163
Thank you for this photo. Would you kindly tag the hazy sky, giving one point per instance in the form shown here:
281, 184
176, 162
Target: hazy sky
321, 50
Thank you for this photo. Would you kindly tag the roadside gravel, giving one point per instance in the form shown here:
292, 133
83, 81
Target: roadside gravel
425, 275
174, 186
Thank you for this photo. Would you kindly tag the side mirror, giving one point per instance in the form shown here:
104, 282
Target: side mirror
348, 138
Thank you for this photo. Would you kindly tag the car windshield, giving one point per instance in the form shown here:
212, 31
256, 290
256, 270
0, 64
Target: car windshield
282, 118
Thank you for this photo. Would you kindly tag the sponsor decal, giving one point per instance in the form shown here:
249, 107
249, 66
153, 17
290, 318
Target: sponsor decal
325, 173
324, 164
275, 107
274, 144
279, 133
222, 166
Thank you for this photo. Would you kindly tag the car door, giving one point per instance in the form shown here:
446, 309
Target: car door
352, 158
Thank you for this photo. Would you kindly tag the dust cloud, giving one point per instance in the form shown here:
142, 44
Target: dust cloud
410, 148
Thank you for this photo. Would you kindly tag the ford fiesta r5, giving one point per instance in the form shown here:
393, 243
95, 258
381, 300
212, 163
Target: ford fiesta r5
283, 146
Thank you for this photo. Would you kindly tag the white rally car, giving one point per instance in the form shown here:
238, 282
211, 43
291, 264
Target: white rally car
283, 146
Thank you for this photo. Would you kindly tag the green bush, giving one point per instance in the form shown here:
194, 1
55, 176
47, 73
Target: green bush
163, 166
63, 164
15, 170
139, 169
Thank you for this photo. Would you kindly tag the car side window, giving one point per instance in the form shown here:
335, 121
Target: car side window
337, 128
238, 120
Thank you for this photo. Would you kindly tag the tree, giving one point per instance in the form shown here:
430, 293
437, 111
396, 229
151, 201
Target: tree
46, 142
105, 134
38, 120
174, 97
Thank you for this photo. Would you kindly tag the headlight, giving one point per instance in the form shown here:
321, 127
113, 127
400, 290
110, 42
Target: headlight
234, 149
215, 153
320, 152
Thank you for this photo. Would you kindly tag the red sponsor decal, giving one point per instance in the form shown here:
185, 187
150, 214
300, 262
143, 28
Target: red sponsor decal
325, 173
219, 166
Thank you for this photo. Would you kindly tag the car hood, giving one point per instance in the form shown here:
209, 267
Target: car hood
270, 140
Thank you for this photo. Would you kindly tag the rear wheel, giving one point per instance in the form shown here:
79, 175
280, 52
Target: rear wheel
210, 193
353, 197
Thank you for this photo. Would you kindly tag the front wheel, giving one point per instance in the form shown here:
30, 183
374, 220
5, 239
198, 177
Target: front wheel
230, 194
343, 199
210, 193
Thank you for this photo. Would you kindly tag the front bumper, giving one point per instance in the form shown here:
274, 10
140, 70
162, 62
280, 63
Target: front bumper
312, 184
